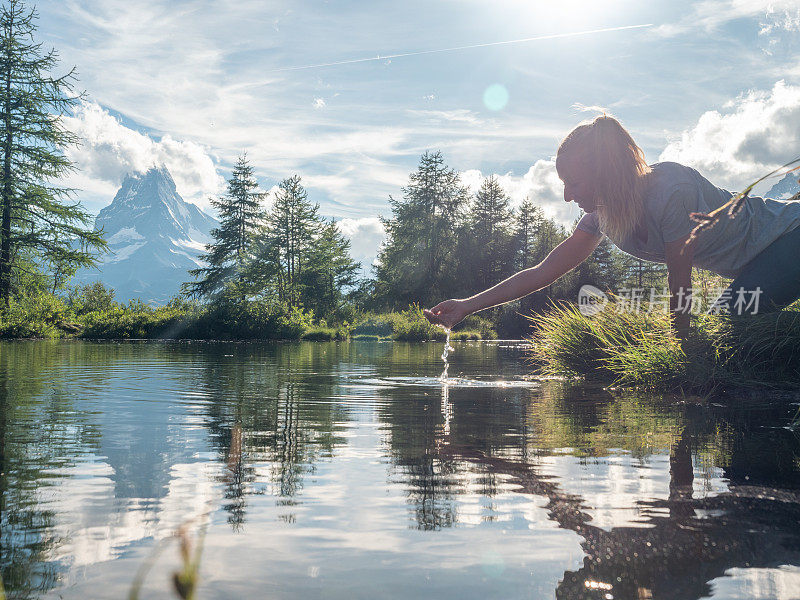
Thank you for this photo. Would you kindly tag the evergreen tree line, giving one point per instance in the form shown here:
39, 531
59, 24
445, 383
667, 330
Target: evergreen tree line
444, 242
441, 240
287, 254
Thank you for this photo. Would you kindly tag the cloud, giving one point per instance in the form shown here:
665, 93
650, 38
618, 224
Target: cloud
593, 108
319, 103
365, 235
459, 115
712, 14
540, 183
109, 150
779, 31
753, 134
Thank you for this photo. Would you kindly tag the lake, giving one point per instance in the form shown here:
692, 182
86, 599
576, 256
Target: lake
350, 470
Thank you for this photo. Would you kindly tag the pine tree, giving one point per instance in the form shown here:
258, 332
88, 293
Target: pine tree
643, 274
329, 271
489, 235
535, 237
604, 269
292, 226
526, 230
39, 221
418, 262
240, 217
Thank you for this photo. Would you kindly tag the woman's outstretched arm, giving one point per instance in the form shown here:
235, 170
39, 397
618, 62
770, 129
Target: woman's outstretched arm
562, 259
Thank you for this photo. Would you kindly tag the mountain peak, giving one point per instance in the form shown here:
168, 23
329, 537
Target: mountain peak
155, 183
785, 188
154, 236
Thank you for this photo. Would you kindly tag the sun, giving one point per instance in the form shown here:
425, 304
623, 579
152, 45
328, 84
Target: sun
570, 14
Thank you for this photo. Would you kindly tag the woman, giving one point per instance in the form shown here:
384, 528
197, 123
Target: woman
644, 209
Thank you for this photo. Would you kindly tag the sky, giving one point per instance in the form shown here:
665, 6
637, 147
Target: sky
307, 88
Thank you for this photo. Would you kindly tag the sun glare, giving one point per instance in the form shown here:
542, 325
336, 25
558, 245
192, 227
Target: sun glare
565, 13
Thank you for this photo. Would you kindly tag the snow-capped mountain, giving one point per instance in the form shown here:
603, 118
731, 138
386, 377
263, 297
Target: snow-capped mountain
154, 237
785, 188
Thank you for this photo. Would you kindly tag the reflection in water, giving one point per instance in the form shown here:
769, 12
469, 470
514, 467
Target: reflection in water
339, 470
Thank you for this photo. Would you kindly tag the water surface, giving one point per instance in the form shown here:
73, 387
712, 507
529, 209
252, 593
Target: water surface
350, 470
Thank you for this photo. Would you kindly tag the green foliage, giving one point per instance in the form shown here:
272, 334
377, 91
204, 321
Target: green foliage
487, 242
639, 349
568, 342
240, 216
411, 325
91, 297
288, 239
39, 221
375, 325
419, 262
36, 316
325, 334
328, 270
477, 327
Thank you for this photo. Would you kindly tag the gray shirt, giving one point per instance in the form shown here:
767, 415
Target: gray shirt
674, 191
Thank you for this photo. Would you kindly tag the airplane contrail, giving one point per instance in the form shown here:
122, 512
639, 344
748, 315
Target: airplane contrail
455, 48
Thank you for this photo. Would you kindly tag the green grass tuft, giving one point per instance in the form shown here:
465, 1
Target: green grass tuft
640, 350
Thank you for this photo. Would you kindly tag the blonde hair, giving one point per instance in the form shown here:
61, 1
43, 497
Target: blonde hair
616, 168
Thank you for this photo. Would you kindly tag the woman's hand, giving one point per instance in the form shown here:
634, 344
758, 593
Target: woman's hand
448, 313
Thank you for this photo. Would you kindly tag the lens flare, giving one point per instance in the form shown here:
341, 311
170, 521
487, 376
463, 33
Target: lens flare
495, 97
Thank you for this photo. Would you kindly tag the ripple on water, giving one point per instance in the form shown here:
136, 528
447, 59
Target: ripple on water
449, 382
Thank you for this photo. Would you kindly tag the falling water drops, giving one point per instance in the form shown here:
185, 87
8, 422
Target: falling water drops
445, 353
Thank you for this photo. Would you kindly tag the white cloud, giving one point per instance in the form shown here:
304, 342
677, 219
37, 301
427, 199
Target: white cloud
752, 135
459, 115
365, 235
777, 20
711, 14
779, 31
319, 103
109, 150
541, 184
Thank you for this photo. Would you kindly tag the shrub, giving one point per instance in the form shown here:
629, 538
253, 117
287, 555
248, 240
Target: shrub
325, 334
476, 325
91, 297
411, 325
38, 315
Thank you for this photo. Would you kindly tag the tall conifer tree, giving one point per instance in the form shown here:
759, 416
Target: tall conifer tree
292, 227
241, 215
39, 222
419, 262
526, 229
329, 270
489, 234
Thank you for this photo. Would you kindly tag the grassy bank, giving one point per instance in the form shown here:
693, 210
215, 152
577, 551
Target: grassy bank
411, 325
92, 313
629, 349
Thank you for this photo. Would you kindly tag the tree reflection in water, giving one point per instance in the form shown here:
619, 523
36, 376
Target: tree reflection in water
681, 543
260, 420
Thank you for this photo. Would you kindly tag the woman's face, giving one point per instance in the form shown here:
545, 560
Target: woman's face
577, 185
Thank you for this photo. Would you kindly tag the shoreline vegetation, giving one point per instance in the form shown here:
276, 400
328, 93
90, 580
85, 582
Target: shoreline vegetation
91, 313
613, 347
638, 350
